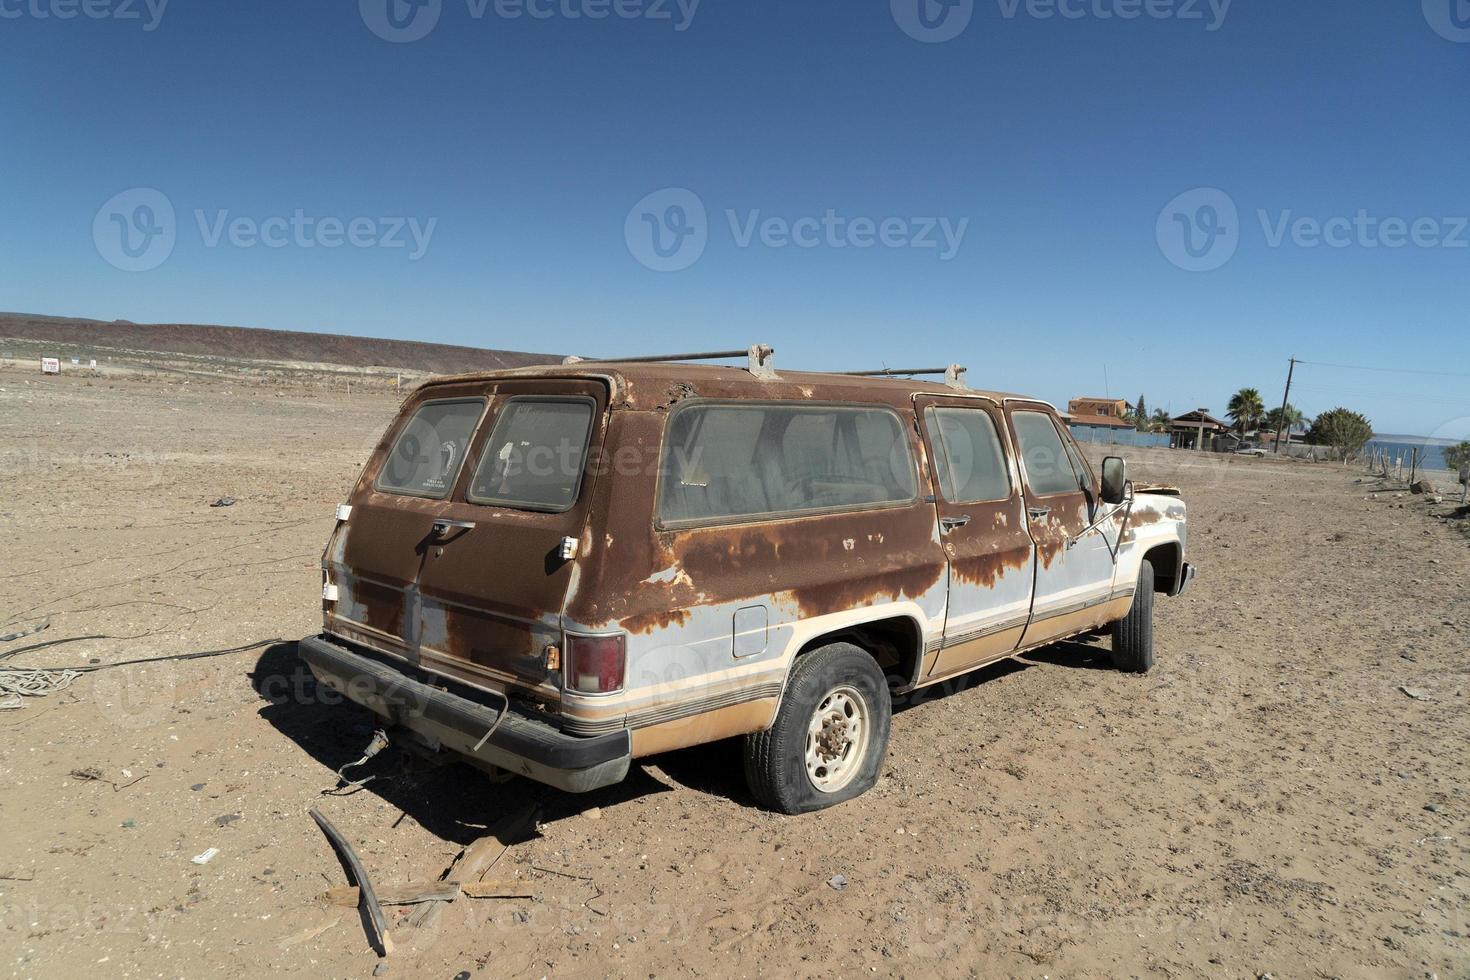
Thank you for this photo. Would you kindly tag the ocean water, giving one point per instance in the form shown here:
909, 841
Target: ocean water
1431, 457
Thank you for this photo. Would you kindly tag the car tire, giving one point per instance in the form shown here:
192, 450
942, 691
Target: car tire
830, 735
1133, 635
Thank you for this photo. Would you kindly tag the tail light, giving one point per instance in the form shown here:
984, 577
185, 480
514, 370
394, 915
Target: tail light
595, 664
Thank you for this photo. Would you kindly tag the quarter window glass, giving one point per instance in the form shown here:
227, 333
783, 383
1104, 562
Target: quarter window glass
970, 462
1048, 469
727, 462
428, 453
534, 456
1084, 475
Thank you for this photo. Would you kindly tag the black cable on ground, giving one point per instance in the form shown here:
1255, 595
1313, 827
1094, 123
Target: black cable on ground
200, 655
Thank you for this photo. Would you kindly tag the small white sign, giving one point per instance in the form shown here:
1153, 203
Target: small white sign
92, 364
50, 365
76, 360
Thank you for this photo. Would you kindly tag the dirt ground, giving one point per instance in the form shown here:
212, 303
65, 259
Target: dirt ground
1267, 800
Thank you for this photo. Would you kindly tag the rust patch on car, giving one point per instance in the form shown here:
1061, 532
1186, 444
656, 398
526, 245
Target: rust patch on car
1141, 517
659, 619
988, 569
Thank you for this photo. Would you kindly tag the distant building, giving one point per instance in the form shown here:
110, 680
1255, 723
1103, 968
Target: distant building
1287, 438
1112, 408
1095, 421
1196, 430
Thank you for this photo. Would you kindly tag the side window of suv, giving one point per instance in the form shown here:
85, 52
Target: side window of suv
1048, 466
429, 451
970, 463
725, 463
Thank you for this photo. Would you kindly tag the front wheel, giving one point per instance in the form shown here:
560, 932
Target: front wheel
1133, 635
830, 735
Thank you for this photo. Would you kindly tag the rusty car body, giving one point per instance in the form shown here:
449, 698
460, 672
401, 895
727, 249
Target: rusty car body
692, 535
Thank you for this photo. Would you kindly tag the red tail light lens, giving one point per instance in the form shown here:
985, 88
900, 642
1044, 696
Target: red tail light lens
596, 664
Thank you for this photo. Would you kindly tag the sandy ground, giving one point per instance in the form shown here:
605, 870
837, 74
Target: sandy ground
1267, 800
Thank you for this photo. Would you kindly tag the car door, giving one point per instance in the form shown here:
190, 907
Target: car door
982, 519
1075, 559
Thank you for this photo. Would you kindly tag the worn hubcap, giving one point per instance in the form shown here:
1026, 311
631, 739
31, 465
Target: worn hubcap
836, 739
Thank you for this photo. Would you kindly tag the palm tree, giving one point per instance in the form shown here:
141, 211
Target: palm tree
1246, 408
1288, 422
1160, 421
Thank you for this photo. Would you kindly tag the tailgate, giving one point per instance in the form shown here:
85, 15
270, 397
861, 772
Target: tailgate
450, 556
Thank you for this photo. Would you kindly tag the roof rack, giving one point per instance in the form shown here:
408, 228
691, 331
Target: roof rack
760, 359
953, 375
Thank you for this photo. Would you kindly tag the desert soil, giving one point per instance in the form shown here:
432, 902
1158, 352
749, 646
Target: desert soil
1267, 800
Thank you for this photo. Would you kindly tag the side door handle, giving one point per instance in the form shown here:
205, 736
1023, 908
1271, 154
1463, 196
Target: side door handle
1038, 513
953, 523
443, 526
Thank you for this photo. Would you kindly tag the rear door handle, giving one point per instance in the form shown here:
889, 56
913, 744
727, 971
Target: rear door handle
443, 526
1038, 513
951, 523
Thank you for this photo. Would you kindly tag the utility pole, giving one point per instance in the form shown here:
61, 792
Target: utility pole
1285, 399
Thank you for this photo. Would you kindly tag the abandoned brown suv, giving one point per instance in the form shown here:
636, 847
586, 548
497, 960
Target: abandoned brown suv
556, 570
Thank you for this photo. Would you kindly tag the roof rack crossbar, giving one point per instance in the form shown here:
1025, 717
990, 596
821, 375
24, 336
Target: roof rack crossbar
711, 355
759, 358
894, 372
954, 375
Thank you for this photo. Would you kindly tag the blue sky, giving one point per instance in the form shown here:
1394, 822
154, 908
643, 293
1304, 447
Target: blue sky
1027, 197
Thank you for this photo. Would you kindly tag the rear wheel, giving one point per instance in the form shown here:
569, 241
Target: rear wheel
830, 735
1133, 635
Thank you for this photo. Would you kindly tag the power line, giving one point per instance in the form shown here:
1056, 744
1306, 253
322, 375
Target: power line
1361, 367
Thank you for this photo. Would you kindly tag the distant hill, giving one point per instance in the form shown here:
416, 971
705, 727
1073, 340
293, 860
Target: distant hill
1421, 440
264, 345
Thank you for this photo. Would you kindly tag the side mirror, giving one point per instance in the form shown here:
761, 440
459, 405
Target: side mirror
1114, 479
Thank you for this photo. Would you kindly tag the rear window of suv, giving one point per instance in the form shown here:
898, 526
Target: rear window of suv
535, 455
429, 451
729, 463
